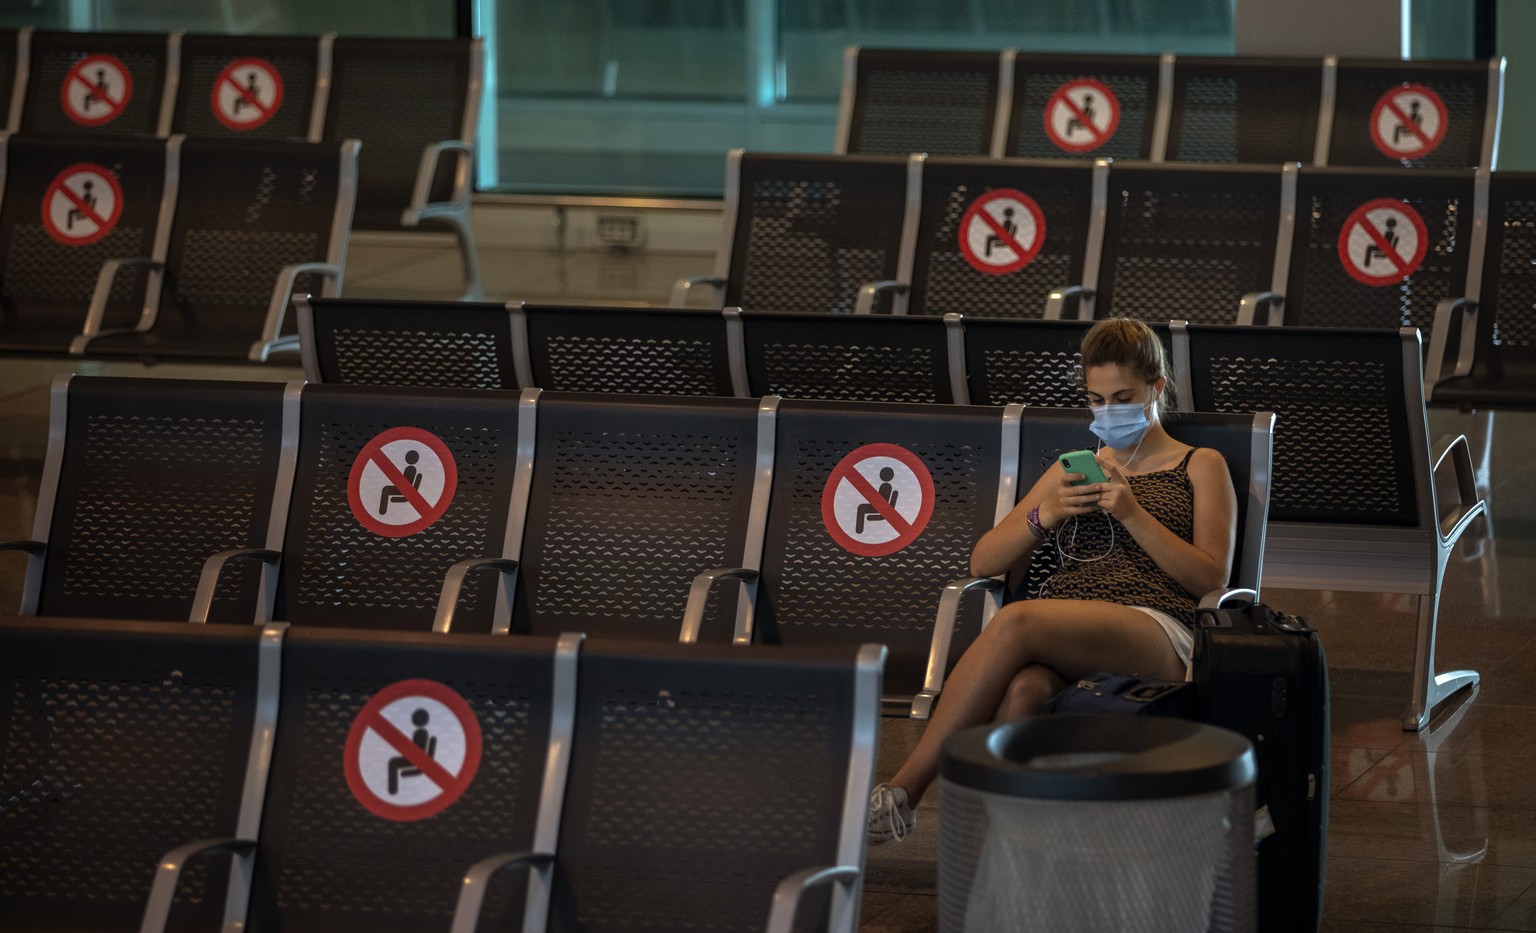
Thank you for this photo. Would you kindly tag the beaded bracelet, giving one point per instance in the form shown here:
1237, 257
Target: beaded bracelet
1034, 524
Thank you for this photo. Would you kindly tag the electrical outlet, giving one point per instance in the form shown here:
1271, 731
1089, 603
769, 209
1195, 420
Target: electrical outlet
624, 231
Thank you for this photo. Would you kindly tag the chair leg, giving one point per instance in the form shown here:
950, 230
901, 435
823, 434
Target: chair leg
1429, 688
474, 288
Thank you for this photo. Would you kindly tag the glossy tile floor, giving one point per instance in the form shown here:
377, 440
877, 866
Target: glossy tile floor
1429, 832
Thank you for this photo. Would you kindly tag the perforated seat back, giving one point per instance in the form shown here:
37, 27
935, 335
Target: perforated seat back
1049, 432
429, 344
1034, 363
119, 741
1383, 116
1187, 242
249, 87
1339, 398
871, 358
71, 204
654, 351
810, 230
245, 210
816, 589
1334, 286
157, 476
921, 100
96, 83
338, 851
712, 739
992, 276
399, 96
1115, 119
363, 552
1245, 109
632, 498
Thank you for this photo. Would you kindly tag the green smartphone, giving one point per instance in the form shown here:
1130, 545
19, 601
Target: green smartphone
1081, 461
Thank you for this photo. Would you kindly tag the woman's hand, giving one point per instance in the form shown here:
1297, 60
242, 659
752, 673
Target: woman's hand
1115, 496
1068, 500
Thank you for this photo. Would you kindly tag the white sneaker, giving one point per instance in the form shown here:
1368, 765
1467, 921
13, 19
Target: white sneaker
890, 816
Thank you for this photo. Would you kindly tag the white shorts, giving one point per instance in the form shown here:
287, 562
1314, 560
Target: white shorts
1179, 635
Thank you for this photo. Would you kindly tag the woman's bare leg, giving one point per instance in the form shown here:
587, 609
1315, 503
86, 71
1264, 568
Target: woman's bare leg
1027, 692
1073, 637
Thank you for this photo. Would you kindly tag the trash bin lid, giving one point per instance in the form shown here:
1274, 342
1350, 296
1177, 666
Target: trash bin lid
1098, 757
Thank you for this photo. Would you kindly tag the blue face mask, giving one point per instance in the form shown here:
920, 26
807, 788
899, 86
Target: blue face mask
1120, 426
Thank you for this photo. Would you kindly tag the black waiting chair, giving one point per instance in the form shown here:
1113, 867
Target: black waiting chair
712, 740
362, 831
415, 104
1346, 397
1483, 352
1226, 109
124, 742
99, 83
71, 207
384, 342
1373, 248
805, 232
255, 222
1190, 241
1085, 106
1423, 114
392, 488
871, 358
996, 237
896, 101
1033, 363
892, 497
651, 351
251, 87
144, 480
632, 497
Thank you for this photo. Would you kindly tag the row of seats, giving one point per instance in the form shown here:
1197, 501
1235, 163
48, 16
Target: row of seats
172, 776
710, 520
168, 249
414, 103
1331, 111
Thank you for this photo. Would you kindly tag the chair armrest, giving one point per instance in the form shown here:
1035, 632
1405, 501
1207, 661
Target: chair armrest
453, 586
943, 634
213, 567
32, 548
786, 897
1447, 312
277, 306
698, 595
1057, 300
95, 315
168, 873
1248, 308
865, 304
683, 287
1459, 453
1217, 599
466, 914
420, 207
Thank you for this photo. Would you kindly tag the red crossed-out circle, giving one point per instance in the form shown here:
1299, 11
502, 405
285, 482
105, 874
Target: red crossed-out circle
427, 512
847, 471
1427, 142
229, 80
1024, 253
59, 188
78, 80
1061, 101
371, 719
1402, 266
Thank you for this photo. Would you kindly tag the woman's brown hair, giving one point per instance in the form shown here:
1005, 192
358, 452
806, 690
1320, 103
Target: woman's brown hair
1123, 341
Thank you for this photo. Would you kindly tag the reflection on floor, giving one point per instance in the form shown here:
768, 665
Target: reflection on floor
1429, 832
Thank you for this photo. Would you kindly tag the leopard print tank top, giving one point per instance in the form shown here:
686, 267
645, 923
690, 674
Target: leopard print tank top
1127, 574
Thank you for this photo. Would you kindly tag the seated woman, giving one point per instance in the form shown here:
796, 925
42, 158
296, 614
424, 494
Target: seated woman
1135, 555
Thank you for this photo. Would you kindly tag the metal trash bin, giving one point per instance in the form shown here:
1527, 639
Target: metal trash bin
1120, 824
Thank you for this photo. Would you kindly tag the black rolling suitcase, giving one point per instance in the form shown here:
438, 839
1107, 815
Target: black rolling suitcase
1261, 673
